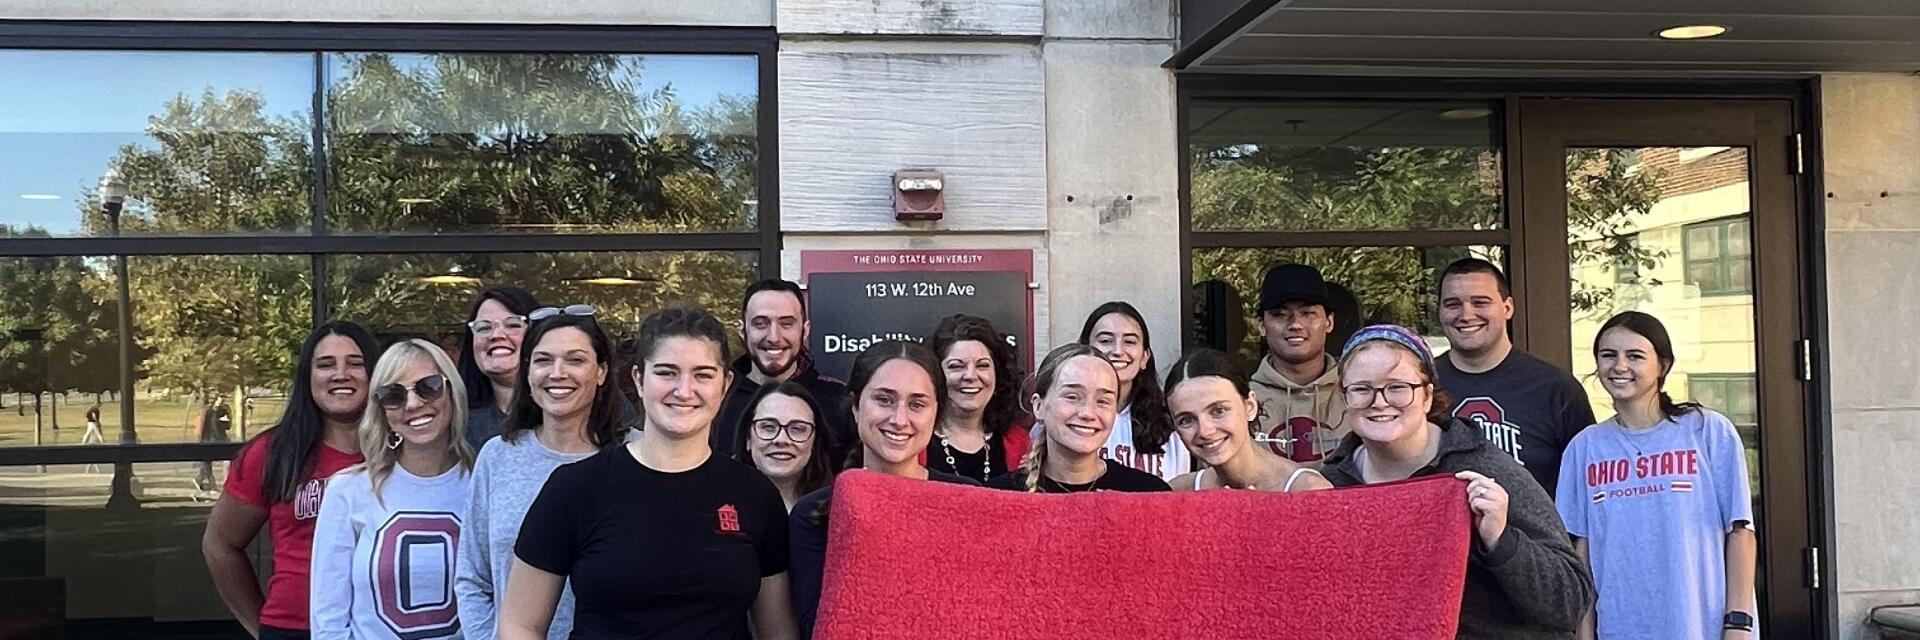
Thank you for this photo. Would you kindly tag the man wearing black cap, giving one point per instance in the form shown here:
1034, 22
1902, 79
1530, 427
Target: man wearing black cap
1298, 383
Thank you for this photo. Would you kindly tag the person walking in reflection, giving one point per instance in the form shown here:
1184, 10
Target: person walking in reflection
389, 530
279, 478
490, 357
1658, 501
1527, 407
93, 434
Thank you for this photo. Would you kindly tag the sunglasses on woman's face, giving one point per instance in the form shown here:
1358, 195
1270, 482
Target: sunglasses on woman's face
579, 310
394, 396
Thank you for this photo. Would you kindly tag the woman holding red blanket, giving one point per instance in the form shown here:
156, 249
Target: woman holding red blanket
1523, 579
1076, 393
1213, 410
897, 394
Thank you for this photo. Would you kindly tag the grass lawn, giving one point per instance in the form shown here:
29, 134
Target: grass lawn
157, 419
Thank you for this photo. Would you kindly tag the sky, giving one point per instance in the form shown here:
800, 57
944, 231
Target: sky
65, 114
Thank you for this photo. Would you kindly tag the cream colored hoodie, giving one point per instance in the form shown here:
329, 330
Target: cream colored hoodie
1306, 416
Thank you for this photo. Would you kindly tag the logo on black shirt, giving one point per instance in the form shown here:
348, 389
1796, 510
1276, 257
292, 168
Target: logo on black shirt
1483, 412
729, 519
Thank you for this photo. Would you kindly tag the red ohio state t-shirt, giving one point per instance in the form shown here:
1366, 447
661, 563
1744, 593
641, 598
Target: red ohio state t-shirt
290, 524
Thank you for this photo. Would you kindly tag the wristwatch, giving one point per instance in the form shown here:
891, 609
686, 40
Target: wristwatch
1739, 621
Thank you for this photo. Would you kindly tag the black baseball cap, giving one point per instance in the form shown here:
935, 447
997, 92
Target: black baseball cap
1292, 283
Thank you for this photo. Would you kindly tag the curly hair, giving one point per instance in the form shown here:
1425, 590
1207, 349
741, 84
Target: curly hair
1003, 407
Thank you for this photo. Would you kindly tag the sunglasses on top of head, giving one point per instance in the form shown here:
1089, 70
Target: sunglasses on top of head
576, 310
394, 396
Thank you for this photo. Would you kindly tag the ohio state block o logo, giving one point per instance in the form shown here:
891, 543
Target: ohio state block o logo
413, 564
1480, 411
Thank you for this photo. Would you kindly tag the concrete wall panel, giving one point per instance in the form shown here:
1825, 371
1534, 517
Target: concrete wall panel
1128, 19
911, 17
1113, 185
734, 13
853, 113
1872, 123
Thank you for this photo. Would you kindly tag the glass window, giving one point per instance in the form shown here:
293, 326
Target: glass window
1717, 257
1341, 166
541, 143
209, 143
214, 337
1393, 285
426, 295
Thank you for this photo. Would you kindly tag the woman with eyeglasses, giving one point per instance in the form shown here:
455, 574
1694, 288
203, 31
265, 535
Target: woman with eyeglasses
662, 537
389, 530
784, 438
1523, 579
563, 411
1213, 412
490, 357
278, 478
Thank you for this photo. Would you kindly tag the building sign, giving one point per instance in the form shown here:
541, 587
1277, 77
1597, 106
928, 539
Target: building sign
857, 298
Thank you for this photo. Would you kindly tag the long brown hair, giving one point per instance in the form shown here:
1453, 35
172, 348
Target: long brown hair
1146, 403
1650, 328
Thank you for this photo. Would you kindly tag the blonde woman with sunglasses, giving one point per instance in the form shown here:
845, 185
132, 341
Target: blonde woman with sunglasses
388, 535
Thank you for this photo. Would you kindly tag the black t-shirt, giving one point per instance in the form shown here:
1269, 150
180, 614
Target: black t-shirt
658, 555
1527, 407
1119, 477
966, 465
809, 533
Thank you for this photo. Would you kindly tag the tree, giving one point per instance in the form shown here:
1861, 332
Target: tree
57, 333
1607, 189
449, 143
1340, 188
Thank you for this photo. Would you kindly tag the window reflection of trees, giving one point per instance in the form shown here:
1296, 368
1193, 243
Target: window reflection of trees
415, 144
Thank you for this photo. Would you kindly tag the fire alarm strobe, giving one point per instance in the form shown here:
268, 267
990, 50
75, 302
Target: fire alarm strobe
919, 195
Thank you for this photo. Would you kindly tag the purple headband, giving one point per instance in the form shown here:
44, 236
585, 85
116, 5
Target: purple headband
1398, 335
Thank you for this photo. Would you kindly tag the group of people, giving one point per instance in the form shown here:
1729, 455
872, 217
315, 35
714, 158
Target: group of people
518, 493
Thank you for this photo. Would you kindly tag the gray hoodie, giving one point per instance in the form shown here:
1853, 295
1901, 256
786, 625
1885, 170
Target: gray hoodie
1531, 585
1308, 415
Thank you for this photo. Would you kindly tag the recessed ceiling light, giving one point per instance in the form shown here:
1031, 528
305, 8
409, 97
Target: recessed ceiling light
38, 196
1473, 113
415, 200
449, 279
1692, 31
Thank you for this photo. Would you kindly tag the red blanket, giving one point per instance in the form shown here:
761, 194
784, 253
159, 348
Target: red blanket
924, 560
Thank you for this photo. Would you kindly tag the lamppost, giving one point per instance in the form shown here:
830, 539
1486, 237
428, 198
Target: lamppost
113, 197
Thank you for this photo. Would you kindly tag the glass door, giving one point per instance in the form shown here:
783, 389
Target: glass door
1684, 210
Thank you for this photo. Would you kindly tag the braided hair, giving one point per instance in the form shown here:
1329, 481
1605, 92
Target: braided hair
1034, 464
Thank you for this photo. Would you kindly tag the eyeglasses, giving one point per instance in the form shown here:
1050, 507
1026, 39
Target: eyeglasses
768, 428
578, 310
394, 396
1398, 394
484, 328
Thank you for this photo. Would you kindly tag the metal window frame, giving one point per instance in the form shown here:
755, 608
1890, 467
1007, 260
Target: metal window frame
1722, 262
319, 39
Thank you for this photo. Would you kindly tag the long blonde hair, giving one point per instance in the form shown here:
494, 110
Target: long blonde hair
1034, 465
374, 430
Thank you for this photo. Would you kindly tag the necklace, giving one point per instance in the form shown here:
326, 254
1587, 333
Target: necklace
986, 455
1072, 488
